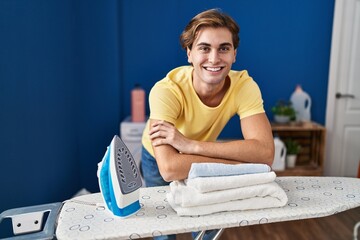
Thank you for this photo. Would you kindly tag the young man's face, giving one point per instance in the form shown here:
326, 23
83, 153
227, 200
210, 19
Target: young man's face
212, 55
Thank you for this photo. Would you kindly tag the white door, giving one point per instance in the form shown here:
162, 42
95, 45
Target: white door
343, 101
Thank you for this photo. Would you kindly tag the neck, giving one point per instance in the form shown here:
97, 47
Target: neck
211, 94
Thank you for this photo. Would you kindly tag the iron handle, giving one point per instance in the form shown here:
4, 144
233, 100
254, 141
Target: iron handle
340, 95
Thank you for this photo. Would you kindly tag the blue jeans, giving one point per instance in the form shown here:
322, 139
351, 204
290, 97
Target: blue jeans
150, 172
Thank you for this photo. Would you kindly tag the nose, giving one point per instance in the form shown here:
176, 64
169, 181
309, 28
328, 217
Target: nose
213, 57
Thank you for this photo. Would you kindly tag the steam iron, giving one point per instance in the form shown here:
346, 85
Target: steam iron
119, 179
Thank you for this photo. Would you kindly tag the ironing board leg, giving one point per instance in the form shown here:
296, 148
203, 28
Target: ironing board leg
356, 228
200, 235
217, 235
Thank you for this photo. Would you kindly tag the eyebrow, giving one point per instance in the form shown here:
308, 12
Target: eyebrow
208, 45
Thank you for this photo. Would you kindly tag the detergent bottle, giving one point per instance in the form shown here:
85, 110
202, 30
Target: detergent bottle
301, 102
280, 155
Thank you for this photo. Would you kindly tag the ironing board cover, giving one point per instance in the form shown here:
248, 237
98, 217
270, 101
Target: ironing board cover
309, 197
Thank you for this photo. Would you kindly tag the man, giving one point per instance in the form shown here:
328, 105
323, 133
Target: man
192, 104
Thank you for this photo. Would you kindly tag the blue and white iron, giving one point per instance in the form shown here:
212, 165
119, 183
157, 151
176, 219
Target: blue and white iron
119, 179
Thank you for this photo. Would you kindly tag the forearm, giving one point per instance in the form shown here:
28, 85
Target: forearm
176, 166
175, 153
250, 150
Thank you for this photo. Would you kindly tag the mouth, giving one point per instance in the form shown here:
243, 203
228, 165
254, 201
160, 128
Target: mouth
213, 69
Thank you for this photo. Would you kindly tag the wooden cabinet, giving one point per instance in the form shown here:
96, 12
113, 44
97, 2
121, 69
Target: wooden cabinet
311, 137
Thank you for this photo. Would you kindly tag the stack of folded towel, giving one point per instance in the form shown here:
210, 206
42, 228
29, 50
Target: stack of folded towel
215, 187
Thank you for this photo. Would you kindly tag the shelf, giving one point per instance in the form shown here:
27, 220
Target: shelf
294, 126
311, 137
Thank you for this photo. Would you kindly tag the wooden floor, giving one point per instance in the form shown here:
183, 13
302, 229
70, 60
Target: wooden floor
335, 227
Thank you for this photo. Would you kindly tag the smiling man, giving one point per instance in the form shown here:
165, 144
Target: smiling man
190, 107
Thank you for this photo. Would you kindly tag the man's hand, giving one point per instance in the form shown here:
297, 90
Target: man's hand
162, 132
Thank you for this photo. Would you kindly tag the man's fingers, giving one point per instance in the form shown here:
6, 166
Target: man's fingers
156, 123
159, 127
157, 134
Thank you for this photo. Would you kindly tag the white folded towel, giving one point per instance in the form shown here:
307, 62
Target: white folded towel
188, 197
214, 187
220, 169
208, 184
190, 203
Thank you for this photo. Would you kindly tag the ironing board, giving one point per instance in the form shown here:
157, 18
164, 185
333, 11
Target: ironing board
309, 197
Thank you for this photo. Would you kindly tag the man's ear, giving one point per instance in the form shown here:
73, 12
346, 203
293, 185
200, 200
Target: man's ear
235, 52
188, 51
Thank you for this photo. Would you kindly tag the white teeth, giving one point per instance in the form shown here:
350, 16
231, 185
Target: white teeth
213, 69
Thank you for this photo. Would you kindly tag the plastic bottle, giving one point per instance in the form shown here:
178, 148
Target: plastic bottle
137, 104
280, 155
301, 102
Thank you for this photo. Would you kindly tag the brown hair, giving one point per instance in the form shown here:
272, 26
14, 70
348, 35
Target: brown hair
211, 18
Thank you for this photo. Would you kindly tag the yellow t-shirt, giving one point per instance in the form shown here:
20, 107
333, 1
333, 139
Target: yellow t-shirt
174, 100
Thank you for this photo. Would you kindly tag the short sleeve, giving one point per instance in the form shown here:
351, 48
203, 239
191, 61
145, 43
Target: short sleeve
165, 102
250, 99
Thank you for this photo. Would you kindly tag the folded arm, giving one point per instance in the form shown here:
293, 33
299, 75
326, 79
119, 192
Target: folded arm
175, 153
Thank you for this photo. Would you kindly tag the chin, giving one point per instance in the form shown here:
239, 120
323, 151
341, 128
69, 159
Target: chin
213, 80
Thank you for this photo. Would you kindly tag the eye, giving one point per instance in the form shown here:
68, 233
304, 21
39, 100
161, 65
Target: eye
224, 49
204, 49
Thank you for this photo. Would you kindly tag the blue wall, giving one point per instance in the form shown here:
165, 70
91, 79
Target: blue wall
59, 96
67, 67
38, 89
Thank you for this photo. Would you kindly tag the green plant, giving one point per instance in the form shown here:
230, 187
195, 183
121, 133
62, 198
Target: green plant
284, 108
292, 146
